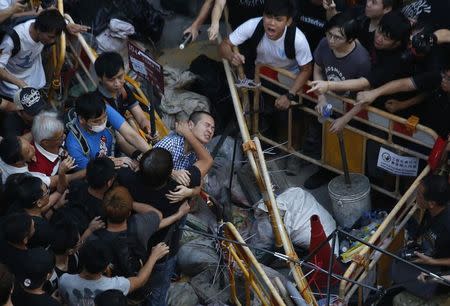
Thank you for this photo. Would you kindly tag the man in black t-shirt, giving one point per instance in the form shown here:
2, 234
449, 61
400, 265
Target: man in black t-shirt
151, 185
433, 235
17, 230
390, 41
311, 18
85, 198
435, 86
37, 270
7, 285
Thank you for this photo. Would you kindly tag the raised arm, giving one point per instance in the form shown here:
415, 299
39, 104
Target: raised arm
400, 85
215, 18
322, 87
201, 17
14, 8
158, 251
205, 161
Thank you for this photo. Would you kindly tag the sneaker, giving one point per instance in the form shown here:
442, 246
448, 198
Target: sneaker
318, 179
294, 164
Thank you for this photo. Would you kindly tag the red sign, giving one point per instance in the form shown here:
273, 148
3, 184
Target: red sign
143, 63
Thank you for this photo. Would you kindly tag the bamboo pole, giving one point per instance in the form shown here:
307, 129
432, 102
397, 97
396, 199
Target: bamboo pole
390, 219
233, 234
287, 243
247, 141
59, 55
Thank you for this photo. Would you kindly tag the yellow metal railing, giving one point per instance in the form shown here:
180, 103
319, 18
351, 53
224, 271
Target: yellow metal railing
138, 93
379, 120
58, 56
367, 259
255, 278
256, 160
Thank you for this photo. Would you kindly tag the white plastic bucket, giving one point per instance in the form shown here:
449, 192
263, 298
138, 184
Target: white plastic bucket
349, 202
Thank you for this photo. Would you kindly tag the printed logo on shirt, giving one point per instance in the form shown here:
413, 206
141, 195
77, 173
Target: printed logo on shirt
334, 74
251, 3
313, 21
25, 62
103, 148
415, 9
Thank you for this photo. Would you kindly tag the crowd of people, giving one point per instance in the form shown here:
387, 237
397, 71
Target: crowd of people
102, 224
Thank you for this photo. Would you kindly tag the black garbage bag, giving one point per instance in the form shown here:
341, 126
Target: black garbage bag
147, 21
212, 82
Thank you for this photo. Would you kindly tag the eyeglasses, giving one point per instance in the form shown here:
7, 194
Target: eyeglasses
331, 36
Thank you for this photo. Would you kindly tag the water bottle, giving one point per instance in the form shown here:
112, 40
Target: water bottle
327, 110
185, 40
344, 246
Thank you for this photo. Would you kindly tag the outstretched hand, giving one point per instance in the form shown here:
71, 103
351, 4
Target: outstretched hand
319, 87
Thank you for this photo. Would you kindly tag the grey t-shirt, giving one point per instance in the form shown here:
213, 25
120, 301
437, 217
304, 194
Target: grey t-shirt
354, 65
76, 291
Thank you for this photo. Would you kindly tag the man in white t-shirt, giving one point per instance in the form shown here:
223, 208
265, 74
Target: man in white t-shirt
20, 62
271, 49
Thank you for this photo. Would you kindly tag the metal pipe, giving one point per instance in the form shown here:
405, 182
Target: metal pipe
340, 136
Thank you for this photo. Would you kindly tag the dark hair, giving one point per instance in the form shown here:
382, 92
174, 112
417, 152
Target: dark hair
391, 3
436, 189
11, 150
99, 171
6, 284
10, 190
90, 105
111, 297
346, 24
28, 191
65, 237
95, 256
108, 64
196, 116
16, 227
279, 8
156, 166
117, 204
396, 26
50, 21
40, 263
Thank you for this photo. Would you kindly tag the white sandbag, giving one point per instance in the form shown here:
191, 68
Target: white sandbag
296, 207
114, 38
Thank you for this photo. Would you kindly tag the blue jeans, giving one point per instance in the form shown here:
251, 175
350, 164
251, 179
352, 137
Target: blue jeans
160, 281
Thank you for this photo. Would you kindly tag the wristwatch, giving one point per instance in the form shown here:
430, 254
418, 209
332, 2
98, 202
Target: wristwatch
290, 96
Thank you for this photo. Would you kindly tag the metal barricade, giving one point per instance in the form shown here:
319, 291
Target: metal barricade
397, 131
414, 135
256, 160
87, 51
57, 58
255, 278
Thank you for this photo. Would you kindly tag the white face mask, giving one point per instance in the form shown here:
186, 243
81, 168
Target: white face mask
98, 128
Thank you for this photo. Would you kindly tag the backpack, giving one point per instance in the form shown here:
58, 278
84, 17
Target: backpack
7, 28
70, 119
